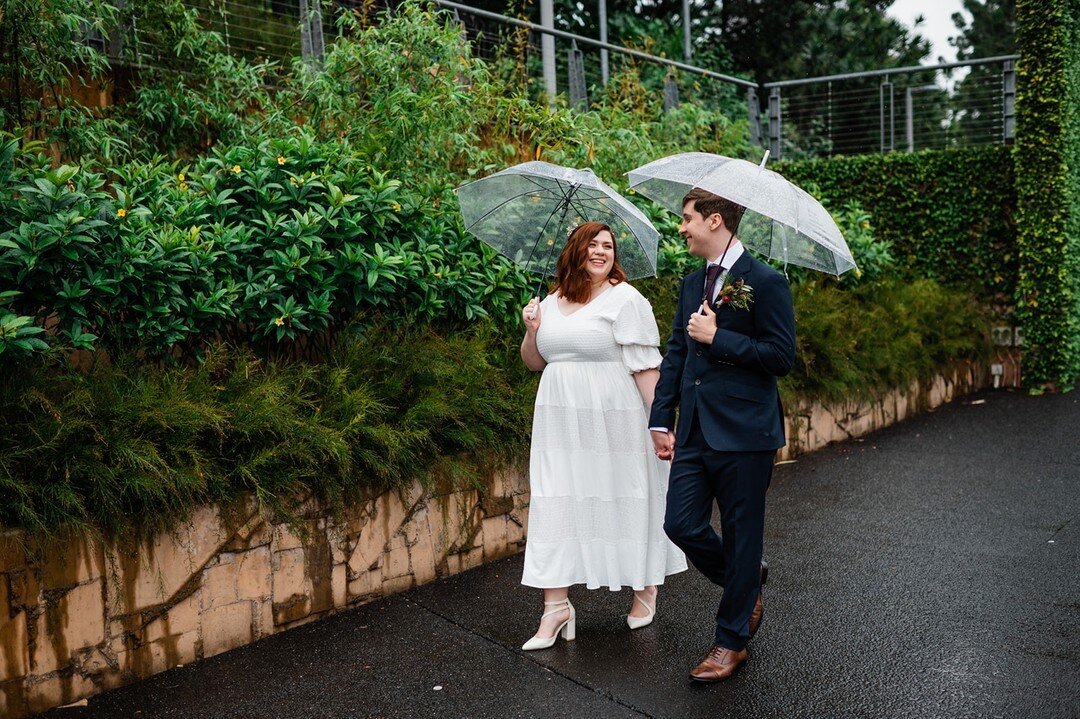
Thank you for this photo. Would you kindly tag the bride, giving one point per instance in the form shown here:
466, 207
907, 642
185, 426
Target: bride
597, 489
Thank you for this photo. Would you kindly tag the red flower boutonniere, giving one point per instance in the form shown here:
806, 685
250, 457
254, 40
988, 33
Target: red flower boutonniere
737, 294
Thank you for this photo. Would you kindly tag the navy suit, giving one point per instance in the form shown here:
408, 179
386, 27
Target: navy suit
730, 425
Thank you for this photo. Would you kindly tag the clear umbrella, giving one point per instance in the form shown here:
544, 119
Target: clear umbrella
781, 220
525, 212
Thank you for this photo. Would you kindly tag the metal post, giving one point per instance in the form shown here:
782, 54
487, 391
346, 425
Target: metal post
886, 115
671, 91
774, 123
1008, 100
753, 114
909, 121
311, 33
575, 68
687, 50
547, 49
116, 40
604, 70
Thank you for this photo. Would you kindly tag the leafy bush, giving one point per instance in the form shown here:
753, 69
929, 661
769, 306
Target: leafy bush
256, 244
137, 446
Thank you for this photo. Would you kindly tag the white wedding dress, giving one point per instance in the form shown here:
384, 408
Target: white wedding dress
596, 512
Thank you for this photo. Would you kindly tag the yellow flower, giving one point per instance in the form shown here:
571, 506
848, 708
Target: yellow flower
180, 177
396, 206
292, 180
183, 185
279, 321
121, 212
236, 169
280, 160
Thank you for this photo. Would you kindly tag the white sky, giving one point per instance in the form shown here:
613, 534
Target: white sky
937, 26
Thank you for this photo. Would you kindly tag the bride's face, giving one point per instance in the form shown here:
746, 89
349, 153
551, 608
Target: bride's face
601, 256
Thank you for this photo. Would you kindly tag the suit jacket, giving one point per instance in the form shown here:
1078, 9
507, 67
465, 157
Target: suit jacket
730, 384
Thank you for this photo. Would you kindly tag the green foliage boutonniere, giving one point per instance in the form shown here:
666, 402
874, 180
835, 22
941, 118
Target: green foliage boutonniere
737, 294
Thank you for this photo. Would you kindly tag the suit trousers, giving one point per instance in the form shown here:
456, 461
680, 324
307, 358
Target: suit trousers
736, 482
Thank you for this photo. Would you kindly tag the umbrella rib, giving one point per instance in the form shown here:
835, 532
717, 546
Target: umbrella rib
499, 206
538, 238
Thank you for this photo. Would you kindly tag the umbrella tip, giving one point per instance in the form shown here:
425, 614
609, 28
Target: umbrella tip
765, 158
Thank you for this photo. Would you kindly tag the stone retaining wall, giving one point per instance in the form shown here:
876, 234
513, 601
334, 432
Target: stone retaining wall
78, 619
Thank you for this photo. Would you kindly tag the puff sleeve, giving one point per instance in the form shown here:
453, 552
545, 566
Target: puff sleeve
636, 334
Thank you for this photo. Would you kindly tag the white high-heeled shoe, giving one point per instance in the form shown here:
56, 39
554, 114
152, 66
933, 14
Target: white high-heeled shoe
639, 622
567, 629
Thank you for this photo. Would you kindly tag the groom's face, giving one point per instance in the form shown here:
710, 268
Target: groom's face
698, 231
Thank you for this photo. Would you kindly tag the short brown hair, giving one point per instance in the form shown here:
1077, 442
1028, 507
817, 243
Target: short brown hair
708, 204
571, 278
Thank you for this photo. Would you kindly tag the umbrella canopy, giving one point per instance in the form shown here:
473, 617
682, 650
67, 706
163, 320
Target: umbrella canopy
525, 212
781, 220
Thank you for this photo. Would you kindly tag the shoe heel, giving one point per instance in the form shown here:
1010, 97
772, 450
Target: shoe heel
569, 631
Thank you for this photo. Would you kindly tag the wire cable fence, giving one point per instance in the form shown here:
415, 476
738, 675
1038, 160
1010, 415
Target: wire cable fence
898, 109
901, 109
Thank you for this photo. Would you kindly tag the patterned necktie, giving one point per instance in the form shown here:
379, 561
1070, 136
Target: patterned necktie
710, 282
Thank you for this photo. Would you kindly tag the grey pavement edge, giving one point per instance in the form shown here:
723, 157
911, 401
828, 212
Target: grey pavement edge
927, 570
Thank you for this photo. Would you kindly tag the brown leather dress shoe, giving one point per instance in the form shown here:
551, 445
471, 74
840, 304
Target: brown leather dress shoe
719, 664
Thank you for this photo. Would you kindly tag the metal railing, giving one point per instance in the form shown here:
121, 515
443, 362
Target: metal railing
906, 108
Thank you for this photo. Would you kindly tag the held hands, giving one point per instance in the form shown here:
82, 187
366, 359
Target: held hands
530, 314
663, 443
702, 325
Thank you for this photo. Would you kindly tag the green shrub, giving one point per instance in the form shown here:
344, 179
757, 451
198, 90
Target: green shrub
1048, 190
937, 222
138, 446
262, 244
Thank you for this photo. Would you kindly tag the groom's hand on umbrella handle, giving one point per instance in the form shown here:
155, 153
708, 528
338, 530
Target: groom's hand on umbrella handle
663, 443
530, 314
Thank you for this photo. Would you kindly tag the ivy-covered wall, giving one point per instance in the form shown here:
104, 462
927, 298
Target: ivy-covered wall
1047, 161
949, 215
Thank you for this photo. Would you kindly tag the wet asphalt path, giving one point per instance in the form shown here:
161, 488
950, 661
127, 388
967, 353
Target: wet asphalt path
930, 570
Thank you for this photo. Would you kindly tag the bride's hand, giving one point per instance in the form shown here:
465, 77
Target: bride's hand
530, 314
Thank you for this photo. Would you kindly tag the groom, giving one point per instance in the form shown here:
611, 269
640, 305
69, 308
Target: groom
732, 336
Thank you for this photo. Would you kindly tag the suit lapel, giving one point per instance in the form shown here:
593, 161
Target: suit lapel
740, 269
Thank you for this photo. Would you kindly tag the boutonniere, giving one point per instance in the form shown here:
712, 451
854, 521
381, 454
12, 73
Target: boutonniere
737, 294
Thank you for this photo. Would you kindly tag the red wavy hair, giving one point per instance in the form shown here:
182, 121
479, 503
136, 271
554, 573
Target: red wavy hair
572, 280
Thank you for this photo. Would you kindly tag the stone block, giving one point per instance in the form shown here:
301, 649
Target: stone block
13, 699
262, 623
219, 585
14, 654
366, 586
66, 625
254, 577
160, 568
46, 692
337, 537
181, 618
397, 584
396, 563
80, 560
339, 584
284, 538
369, 547
495, 542
290, 575
422, 560
224, 628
